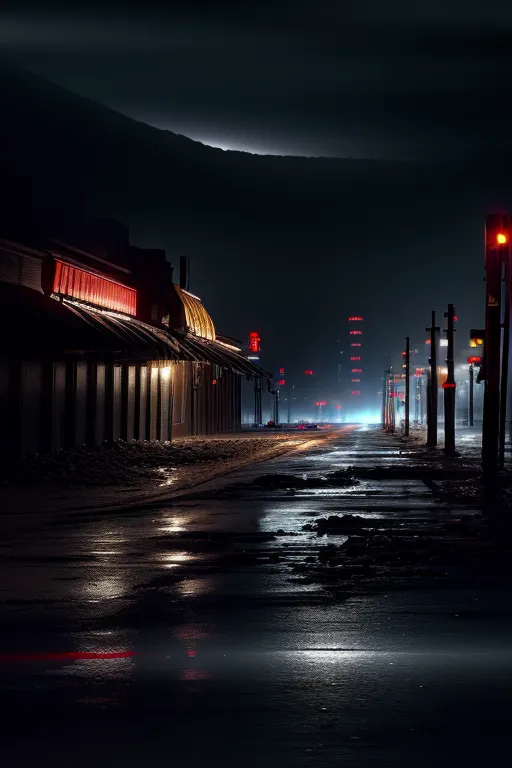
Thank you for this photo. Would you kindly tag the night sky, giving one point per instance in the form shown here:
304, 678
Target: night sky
292, 247
356, 79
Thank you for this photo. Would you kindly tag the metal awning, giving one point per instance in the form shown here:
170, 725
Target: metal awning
215, 353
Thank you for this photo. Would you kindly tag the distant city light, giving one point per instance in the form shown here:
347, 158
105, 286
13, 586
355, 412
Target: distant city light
355, 358
354, 318
356, 392
281, 370
281, 382
254, 342
357, 370
356, 381
308, 372
356, 333
356, 344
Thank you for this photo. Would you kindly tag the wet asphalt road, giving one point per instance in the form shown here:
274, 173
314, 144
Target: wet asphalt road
180, 636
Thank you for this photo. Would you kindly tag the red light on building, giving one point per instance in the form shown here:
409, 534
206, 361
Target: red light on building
281, 370
281, 382
356, 333
254, 342
308, 372
355, 358
357, 370
356, 381
356, 344
474, 360
93, 289
356, 392
323, 402
355, 319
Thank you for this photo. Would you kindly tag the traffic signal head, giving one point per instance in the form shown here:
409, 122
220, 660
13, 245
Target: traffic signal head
498, 231
476, 337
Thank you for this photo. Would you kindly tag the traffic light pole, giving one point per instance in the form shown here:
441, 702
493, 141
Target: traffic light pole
432, 400
504, 364
407, 385
491, 420
449, 387
471, 391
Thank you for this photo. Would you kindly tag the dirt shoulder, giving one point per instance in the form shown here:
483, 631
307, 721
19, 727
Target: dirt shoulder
127, 474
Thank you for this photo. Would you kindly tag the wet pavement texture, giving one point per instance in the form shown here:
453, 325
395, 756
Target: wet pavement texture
188, 634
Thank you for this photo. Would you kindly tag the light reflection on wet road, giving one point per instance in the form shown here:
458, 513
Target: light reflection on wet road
235, 662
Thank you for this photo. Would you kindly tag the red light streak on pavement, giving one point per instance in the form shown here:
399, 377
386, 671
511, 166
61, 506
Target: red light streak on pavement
7, 658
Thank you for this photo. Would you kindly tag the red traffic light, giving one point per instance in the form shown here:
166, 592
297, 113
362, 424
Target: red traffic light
323, 402
474, 359
281, 370
317, 403
338, 407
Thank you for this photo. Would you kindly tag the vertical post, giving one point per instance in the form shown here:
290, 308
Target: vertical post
432, 411
449, 387
276, 407
257, 402
420, 399
471, 395
384, 398
407, 385
496, 237
290, 393
504, 364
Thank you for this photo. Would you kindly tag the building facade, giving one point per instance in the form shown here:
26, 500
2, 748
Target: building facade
100, 344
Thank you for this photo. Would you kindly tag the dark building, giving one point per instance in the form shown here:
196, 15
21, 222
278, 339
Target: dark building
100, 344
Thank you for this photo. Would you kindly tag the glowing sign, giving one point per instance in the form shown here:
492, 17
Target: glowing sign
356, 333
308, 372
281, 370
93, 289
254, 342
356, 344
356, 381
356, 392
357, 370
354, 319
355, 358
281, 382
474, 359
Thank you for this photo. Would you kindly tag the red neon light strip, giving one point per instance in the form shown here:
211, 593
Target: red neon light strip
93, 289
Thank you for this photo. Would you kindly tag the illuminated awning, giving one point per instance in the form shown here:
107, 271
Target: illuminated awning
197, 319
81, 285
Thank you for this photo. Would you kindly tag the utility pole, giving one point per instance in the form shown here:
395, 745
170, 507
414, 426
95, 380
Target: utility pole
471, 391
276, 407
449, 387
290, 393
385, 385
497, 247
432, 400
407, 384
